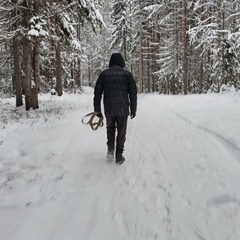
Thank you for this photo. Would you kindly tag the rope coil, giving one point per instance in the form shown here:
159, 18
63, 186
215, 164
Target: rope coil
93, 125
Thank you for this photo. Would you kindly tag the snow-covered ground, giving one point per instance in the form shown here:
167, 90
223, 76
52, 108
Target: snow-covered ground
180, 181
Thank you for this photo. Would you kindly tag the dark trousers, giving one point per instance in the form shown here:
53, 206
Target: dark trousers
119, 122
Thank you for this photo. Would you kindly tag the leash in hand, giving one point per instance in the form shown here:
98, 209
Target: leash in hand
93, 123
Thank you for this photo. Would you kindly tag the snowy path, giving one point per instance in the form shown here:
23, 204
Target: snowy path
180, 180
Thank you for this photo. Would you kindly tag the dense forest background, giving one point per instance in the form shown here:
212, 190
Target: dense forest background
170, 46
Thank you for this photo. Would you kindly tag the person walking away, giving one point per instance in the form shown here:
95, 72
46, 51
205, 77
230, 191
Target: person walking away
119, 91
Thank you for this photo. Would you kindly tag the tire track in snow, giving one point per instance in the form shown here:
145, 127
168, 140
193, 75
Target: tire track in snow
213, 133
174, 150
223, 200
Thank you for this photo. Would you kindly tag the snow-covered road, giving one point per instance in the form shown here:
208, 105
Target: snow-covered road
180, 180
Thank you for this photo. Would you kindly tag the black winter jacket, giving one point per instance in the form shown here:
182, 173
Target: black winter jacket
118, 88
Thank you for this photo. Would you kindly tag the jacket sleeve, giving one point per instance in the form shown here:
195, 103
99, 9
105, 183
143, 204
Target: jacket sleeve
98, 90
132, 91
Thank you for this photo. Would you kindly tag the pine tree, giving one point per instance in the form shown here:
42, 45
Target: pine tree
37, 28
122, 33
216, 34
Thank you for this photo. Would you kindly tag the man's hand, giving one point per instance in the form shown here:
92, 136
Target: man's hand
99, 115
133, 115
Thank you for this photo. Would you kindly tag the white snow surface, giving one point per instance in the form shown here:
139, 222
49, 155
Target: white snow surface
180, 180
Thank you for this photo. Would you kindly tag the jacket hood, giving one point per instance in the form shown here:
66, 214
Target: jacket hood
117, 59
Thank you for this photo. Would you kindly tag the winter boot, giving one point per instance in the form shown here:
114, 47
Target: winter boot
119, 158
110, 155
110, 152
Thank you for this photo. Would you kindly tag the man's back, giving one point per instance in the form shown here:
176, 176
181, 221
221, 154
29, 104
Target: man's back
118, 87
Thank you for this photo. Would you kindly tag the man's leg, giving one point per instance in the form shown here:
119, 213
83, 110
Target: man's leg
111, 128
121, 135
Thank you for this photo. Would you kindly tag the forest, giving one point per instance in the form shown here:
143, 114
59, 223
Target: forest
170, 46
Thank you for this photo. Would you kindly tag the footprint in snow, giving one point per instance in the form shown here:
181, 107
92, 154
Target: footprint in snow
118, 216
222, 200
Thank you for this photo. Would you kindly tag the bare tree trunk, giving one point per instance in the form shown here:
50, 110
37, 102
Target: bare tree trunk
52, 54
154, 60
17, 72
58, 68
201, 61
27, 57
72, 68
30, 86
90, 70
125, 45
131, 38
149, 57
185, 41
78, 74
78, 79
27, 69
36, 62
37, 52
140, 74
36, 87
177, 58
225, 67
17, 85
